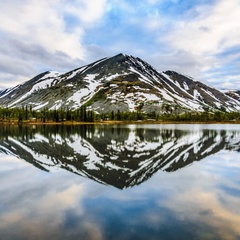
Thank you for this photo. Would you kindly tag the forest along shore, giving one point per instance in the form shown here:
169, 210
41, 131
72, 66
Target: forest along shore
83, 116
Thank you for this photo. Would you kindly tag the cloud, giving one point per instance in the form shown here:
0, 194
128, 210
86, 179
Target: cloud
193, 38
180, 60
87, 12
41, 23
211, 31
42, 35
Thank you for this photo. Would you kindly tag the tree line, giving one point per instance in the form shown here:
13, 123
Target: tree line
82, 114
45, 115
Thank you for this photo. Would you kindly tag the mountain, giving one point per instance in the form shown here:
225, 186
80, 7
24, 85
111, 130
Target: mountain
234, 94
122, 83
126, 155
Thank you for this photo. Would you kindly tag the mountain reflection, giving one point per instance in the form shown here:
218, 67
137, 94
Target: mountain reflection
122, 156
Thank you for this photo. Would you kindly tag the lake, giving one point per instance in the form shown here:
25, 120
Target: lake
94, 182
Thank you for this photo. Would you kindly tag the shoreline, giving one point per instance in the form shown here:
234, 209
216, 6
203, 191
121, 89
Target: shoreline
28, 123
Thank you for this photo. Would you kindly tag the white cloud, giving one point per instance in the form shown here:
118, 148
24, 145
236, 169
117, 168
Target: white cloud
35, 35
88, 11
153, 21
39, 22
213, 29
7, 80
61, 35
180, 61
206, 31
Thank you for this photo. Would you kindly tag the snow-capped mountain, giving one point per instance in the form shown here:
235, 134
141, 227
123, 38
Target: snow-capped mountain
121, 156
234, 94
122, 83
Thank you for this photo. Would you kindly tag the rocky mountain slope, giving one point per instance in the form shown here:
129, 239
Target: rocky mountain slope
122, 83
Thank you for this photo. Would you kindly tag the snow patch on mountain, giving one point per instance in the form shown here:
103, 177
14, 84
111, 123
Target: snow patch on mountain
128, 82
39, 105
57, 105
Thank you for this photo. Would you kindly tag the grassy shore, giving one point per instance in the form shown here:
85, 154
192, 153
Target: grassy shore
14, 122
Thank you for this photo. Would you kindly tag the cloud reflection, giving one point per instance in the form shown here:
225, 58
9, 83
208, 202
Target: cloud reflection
199, 202
204, 201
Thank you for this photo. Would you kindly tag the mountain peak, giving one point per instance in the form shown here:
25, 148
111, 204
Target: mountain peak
121, 55
121, 82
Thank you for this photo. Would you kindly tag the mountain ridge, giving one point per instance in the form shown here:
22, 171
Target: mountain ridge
123, 83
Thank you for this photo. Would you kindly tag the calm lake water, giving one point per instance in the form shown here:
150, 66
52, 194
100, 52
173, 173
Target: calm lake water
98, 182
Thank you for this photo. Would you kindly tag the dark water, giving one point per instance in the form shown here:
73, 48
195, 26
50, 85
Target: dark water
120, 182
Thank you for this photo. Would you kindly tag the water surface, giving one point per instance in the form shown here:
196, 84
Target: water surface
120, 182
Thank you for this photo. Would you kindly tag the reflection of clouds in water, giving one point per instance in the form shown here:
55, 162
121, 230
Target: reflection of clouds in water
226, 159
60, 205
204, 208
154, 219
208, 203
65, 199
35, 203
8, 161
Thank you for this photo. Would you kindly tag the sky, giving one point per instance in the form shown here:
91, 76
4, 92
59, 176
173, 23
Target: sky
198, 38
